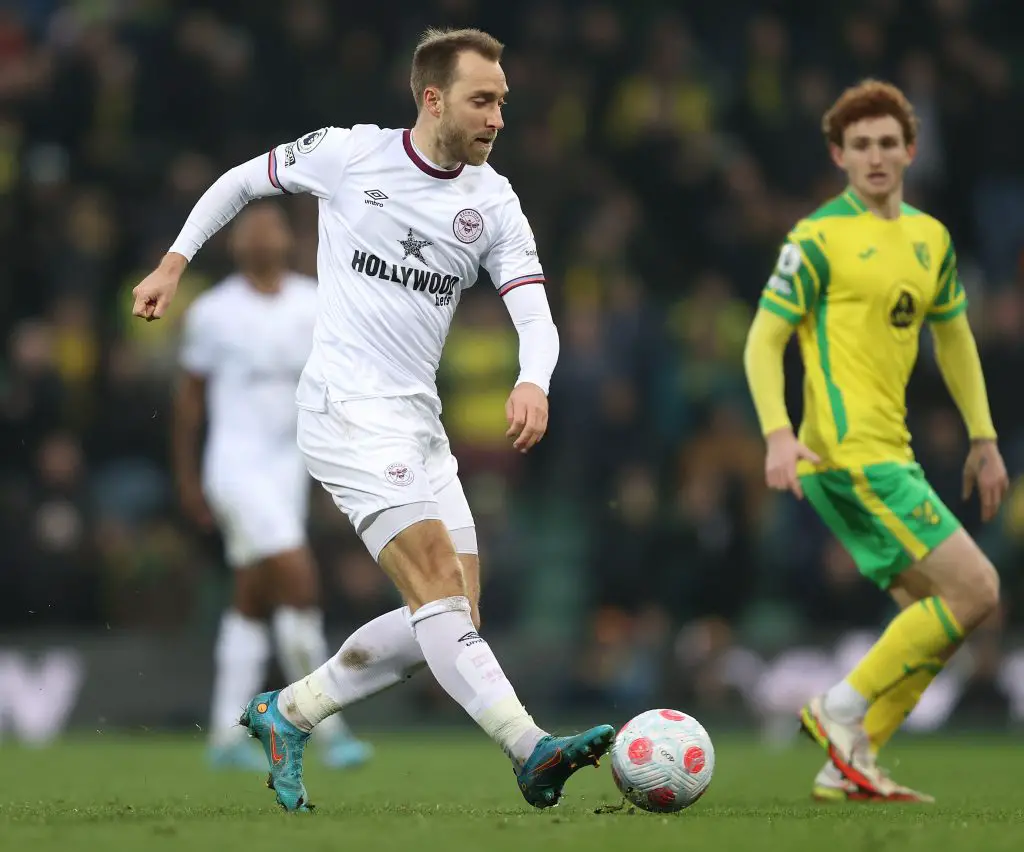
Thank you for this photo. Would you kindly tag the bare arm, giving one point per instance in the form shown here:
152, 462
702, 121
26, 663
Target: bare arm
186, 446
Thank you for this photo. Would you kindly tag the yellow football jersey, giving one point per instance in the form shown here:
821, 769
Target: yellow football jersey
858, 288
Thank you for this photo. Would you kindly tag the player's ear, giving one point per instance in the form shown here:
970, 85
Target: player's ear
911, 152
836, 153
432, 101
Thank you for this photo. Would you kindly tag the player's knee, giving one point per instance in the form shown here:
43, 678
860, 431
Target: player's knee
986, 590
440, 569
293, 579
248, 598
977, 596
427, 563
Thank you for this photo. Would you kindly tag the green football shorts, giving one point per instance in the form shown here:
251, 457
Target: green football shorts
886, 515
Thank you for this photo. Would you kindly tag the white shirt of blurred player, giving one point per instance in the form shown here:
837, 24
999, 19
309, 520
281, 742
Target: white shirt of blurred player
250, 347
400, 239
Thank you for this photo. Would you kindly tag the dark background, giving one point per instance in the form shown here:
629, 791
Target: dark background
661, 155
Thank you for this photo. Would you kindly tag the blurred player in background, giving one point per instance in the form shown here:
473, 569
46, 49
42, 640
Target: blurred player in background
406, 220
246, 341
857, 279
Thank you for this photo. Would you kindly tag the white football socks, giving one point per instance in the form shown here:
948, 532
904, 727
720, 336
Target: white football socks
844, 704
240, 667
302, 648
392, 647
380, 654
465, 666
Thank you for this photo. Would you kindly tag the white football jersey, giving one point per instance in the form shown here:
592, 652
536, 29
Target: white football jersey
399, 240
251, 348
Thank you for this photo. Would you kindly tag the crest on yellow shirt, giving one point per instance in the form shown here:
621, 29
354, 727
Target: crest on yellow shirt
924, 256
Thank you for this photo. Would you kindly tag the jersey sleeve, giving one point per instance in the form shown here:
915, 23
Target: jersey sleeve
800, 275
512, 259
198, 351
950, 297
313, 163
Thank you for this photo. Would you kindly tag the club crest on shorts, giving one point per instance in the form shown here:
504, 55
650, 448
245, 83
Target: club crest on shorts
468, 225
399, 474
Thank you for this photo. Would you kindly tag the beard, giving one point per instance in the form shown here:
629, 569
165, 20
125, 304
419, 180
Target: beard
458, 145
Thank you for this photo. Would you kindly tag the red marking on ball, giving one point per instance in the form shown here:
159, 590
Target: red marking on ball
694, 759
661, 796
640, 751
673, 715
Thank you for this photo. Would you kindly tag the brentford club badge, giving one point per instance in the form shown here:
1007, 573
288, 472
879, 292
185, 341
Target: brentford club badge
468, 225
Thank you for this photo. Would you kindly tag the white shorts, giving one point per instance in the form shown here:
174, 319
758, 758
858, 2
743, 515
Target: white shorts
387, 463
260, 508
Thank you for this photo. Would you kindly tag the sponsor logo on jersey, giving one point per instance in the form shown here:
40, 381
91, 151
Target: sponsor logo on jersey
289, 154
441, 287
414, 247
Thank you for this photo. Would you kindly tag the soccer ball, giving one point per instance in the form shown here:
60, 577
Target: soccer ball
662, 760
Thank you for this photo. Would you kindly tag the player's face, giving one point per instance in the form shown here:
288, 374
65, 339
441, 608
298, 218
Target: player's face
261, 240
874, 156
471, 114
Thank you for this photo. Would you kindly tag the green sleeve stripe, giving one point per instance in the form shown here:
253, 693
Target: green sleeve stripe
948, 261
835, 395
776, 307
949, 313
950, 294
818, 264
805, 280
949, 285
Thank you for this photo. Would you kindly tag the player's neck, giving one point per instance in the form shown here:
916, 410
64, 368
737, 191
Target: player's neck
265, 282
429, 148
883, 206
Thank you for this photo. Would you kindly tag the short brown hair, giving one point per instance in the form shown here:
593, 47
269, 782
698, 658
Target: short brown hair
869, 99
435, 57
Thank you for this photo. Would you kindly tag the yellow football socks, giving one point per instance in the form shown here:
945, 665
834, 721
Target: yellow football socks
885, 716
911, 645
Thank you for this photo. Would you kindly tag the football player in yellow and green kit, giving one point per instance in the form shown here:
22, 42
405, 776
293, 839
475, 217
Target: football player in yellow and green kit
856, 280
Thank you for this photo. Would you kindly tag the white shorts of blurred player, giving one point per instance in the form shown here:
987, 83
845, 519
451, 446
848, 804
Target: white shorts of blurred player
387, 463
260, 505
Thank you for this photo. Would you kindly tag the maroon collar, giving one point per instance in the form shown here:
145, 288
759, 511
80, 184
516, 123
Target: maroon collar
423, 165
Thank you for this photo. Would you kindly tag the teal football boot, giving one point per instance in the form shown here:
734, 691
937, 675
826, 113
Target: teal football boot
554, 759
283, 744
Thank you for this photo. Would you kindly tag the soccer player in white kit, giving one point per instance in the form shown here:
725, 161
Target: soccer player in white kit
244, 345
406, 219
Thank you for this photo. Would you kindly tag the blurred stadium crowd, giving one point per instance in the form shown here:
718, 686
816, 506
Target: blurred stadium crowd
661, 154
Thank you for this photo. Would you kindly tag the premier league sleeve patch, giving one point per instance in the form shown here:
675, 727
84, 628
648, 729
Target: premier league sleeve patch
308, 142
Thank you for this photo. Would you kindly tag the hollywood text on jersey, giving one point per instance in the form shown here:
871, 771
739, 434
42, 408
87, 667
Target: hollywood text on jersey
441, 287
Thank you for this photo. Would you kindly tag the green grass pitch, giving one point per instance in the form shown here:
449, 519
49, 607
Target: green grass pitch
430, 792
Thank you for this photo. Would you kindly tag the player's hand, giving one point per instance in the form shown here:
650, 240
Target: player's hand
194, 506
985, 470
527, 414
784, 451
154, 294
